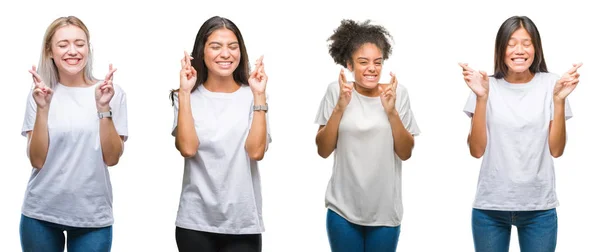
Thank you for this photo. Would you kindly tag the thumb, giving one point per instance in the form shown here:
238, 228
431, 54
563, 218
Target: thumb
380, 90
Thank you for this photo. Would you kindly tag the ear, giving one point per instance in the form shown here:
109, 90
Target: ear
349, 66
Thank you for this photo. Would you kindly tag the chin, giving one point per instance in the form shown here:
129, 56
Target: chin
369, 84
224, 73
519, 69
72, 70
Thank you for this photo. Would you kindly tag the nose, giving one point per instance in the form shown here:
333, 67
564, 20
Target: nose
371, 68
225, 53
519, 49
72, 50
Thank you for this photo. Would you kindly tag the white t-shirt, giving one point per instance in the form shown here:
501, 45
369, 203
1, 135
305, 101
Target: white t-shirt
221, 190
366, 184
517, 170
73, 187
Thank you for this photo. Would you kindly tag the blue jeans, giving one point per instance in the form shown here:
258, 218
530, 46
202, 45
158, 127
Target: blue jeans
37, 235
348, 237
537, 230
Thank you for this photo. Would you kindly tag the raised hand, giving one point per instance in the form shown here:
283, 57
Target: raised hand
345, 91
187, 75
478, 81
42, 95
567, 83
105, 91
258, 78
388, 94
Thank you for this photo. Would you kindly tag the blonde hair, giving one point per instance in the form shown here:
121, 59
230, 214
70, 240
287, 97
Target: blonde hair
46, 67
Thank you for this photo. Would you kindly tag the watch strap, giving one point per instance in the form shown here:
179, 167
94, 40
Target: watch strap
261, 107
106, 114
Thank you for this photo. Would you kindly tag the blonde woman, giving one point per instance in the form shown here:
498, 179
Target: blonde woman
75, 126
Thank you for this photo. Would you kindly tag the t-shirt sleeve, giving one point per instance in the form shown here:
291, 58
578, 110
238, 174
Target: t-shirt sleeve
268, 127
328, 103
568, 112
30, 111
176, 112
469, 108
406, 115
118, 106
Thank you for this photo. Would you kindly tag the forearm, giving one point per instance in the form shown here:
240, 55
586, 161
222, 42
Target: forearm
558, 133
110, 141
256, 142
39, 139
328, 134
403, 140
478, 136
186, 139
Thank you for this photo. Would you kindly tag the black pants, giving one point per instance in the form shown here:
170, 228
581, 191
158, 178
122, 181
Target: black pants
198, 241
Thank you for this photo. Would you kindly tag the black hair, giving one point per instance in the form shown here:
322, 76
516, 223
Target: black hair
506, 30
350, 36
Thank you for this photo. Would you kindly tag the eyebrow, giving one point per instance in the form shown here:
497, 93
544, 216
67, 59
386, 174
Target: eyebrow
513, 38
364, 58
65, 40
219, 43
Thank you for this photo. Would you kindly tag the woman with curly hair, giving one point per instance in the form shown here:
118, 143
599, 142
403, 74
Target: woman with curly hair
371, 128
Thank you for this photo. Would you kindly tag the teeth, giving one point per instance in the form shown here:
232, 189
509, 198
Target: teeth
224, 63
519, 60
72, 61
370, 77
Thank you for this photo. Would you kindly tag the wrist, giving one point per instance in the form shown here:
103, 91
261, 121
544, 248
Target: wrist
42, 109
482, 98
558, 100
183, 91
392, 113
103, 108
339, 107
259, 98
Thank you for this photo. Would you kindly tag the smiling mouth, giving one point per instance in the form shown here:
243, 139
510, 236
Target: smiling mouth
519, 60
370, 77
72, 61
224, 64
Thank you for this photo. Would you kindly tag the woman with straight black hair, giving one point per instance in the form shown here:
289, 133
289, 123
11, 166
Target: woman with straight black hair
518, 126
221, 129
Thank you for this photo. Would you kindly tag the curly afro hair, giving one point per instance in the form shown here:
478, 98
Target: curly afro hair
350, 36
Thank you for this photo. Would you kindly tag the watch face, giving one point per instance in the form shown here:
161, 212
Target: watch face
105, 114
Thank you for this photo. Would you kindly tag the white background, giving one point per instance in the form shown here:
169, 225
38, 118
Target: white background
145, 42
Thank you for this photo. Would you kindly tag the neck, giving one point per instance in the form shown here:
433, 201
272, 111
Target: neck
221, 84
73, 80
519, 78
371, 92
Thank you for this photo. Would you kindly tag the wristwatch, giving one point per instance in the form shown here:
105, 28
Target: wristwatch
261, 107
105, 114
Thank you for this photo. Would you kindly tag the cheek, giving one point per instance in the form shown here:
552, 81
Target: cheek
236, 54
85, 51
531, 51
57, 53
359, 69
508, 53
210, 54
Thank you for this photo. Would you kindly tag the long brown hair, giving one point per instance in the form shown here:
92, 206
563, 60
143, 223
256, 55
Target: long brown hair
240, 74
